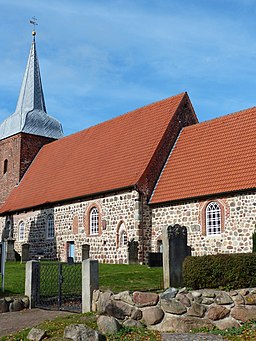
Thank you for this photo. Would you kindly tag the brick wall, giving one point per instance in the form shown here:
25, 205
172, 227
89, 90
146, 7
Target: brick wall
19, 150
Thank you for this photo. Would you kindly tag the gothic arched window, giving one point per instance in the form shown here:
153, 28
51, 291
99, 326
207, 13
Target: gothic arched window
21, 231
94, 221
213, 218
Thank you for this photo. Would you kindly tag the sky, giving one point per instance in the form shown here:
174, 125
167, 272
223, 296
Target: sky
102, 58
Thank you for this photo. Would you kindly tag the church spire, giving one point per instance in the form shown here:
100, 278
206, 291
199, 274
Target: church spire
31, 93
30, 115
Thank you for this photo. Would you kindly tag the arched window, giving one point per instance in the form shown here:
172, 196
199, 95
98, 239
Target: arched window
94, 221
213, 219
5, 166
21, 231
122, 236
50, 227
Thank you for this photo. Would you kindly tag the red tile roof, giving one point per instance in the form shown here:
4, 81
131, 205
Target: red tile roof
105, 157
213, 157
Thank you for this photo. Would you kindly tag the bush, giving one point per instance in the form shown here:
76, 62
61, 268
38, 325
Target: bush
223, 271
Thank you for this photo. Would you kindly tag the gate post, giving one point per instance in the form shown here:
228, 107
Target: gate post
31, 291
90, 282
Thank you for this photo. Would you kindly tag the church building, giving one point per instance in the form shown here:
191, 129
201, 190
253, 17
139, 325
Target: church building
112, 188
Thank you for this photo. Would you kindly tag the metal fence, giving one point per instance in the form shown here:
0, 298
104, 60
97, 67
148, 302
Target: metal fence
59, 286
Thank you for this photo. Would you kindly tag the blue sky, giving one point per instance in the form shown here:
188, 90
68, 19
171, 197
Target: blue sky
102, 58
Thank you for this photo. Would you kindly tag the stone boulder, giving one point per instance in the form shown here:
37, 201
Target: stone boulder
173, 306
183, 324
144, 299
124, 296
227, 323
183, 299
152, 315
217, 312
103, 301
119, 309
4, 306
171, 293
16, 305
132, 323
108, 324
196, 309
80, 332
223, 298
250, 299
36, 334
243, 313
136, 314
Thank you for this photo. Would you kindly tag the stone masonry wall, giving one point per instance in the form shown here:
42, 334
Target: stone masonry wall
178, 310
238, 225
71, 225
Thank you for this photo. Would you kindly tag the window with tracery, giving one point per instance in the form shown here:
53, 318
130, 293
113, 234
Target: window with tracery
213, 219
50, 227
94, 221
123, 240
21, 231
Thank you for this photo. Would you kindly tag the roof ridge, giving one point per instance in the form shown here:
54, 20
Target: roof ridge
117, 117
219, 118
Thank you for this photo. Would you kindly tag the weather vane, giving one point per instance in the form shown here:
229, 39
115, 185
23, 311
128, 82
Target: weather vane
33, 21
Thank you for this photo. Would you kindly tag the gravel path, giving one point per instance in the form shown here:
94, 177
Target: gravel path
16, 321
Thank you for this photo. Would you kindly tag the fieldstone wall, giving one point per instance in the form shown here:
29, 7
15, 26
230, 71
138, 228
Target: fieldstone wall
10, 304
71, 225
179, 310
239, 223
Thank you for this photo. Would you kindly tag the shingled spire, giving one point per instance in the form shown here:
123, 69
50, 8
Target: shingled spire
30, 115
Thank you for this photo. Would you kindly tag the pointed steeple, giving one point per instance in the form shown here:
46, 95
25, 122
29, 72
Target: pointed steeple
30, 115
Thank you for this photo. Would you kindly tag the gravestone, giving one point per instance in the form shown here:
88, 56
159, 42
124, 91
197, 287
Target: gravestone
10, 253
25, 252
132, 252
85, 251
175, 250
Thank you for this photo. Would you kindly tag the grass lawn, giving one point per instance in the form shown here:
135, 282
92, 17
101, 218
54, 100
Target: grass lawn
116, 277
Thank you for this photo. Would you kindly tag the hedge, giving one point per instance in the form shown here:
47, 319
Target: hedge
223, 271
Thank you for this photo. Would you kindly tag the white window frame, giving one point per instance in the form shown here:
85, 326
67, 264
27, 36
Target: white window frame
94, 221
50, 231
123, 238
21, 231
213, 219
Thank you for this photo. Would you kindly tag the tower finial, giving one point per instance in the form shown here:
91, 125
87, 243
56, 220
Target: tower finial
33, 21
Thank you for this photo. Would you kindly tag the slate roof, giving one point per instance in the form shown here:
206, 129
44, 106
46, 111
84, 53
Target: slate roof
30, 115
111, 155
213, 157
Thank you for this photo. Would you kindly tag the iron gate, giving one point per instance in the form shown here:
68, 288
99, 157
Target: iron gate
59, 286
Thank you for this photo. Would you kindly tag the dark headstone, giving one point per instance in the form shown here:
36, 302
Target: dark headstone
10, 254
25, 252
178, 250
85, 251
133, 252
155, 259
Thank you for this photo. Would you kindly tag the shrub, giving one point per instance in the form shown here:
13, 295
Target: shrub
228, 271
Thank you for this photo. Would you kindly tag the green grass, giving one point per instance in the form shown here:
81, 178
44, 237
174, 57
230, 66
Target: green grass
115, 277
121, 277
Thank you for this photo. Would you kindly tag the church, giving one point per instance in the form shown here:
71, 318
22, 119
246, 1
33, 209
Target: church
115, 186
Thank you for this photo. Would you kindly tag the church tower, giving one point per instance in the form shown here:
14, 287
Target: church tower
29, 128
